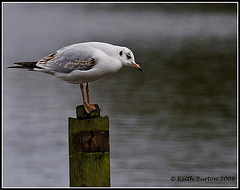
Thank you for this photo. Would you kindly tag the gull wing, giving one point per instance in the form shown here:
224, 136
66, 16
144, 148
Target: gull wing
68, 66
67, 59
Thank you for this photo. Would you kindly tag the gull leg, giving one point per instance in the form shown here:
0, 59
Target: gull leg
83, 96
88, 107
87, 90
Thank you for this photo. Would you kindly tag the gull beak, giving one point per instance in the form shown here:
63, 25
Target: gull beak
137, 66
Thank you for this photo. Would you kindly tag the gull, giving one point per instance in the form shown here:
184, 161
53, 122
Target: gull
83, 63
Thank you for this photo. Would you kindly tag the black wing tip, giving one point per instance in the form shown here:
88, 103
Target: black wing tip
25, 65
12, 67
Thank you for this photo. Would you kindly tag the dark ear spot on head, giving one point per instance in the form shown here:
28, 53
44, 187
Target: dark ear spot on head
120, 53
128, 56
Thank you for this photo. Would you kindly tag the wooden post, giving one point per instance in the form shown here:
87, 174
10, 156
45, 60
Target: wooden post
89, 150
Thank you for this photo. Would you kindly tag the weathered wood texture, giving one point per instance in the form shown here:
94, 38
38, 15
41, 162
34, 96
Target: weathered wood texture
81, 113
89, 149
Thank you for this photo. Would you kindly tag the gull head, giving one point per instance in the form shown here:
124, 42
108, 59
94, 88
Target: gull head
127, 58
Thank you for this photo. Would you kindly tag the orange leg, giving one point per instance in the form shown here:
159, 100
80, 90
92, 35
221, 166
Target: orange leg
83, 96
88, 108
87, 91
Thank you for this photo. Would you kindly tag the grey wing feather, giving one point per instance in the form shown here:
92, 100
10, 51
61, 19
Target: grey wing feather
69, 58
68, 66
74, 52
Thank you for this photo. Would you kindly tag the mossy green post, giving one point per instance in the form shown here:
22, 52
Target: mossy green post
89, 150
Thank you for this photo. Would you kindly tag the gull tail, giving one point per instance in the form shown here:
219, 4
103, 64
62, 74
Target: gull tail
26, 65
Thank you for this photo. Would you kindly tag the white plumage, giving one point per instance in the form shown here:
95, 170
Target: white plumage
83, 62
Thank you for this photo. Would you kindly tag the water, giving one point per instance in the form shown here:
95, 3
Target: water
176, 119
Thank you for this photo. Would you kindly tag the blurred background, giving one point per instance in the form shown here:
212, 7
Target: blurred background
177, 118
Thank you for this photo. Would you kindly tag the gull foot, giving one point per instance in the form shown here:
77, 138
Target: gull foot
89, 107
